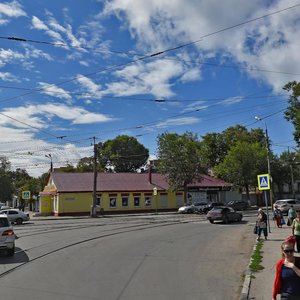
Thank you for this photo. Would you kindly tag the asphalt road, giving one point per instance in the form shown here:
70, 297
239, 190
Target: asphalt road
128, 258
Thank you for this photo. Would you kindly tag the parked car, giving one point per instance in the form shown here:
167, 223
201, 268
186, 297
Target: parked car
211, 205
199, 207
187, 209
223, 213
15, 216
238, 205
285, 204
7, 236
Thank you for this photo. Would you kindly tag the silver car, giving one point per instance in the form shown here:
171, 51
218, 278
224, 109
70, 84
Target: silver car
7, 236
285, 204
16, 216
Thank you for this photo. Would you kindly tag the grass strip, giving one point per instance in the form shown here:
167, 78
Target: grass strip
256, 258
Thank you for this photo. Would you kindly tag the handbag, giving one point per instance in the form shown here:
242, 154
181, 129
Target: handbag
255, 229
288, 222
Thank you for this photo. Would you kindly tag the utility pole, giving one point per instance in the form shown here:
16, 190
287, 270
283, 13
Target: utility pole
51, 162
93, 207
268, 158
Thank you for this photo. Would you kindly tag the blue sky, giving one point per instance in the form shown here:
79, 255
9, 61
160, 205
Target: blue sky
85, 71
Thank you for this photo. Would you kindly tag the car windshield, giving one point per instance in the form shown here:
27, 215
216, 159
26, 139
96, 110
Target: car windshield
217, 209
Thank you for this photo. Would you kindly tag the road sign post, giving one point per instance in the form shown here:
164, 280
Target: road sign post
264, 185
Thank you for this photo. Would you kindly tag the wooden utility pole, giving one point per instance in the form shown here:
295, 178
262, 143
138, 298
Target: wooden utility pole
94, 205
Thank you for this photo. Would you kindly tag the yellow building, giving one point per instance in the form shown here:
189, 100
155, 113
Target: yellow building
72, 193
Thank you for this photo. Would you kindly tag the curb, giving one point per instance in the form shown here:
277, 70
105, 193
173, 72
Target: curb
247, 280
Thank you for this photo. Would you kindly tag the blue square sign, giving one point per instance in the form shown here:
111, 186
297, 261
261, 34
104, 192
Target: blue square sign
263, 182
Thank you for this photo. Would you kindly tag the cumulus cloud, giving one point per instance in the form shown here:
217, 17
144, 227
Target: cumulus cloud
268, 43
40, 116
146, 78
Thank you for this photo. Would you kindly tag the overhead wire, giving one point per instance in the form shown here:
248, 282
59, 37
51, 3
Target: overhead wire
136, 60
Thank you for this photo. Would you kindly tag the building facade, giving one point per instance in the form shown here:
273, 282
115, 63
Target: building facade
72, 193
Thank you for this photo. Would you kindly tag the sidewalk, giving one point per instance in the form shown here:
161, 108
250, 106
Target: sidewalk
260, 285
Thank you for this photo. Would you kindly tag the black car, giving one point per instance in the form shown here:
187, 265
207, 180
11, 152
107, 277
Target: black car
224, 214
211, 205
238, 205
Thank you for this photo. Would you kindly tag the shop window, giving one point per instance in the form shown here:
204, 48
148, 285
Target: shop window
136, 201
98, 200
113, 202
148, 201
124, 201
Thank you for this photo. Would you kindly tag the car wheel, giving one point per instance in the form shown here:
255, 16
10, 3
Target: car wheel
225, 220
19, 221
11, 252
211, 221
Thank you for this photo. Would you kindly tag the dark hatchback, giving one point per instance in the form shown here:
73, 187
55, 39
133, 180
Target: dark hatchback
207, 208
224, 214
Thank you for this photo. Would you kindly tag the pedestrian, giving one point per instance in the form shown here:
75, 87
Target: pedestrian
296, 230
277, 216
291, 215
261, 223
287, 276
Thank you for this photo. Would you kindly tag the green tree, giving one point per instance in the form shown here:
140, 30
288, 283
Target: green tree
6, 184
292, 112
179, 158
216, 145
123, 154
242, 164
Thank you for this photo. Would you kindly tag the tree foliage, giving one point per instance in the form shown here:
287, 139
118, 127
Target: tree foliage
123, 154
292, 112
6, 185
179, 158
242, 164
216, 145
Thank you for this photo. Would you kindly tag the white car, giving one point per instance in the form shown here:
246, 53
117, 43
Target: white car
285, 204
16, 216
186, 209
7, 236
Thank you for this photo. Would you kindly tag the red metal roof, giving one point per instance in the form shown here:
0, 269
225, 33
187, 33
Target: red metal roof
121, 182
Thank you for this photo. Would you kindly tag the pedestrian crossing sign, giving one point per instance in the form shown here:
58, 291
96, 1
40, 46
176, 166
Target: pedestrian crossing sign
26, 195
263, 182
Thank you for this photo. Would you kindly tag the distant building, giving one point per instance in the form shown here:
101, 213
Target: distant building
72, 193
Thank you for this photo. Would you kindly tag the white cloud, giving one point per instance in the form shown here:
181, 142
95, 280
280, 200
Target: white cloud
268, 43
40, 116
5, 76
12, 9
40, 25
197, 105
177, 122
53, 90
146, 78
232, 100
92, 89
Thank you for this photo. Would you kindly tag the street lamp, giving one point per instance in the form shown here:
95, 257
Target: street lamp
51, 162
268, 155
